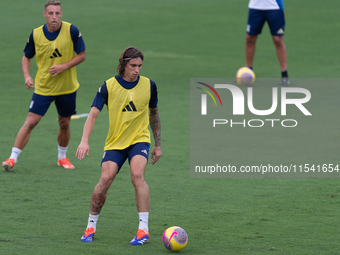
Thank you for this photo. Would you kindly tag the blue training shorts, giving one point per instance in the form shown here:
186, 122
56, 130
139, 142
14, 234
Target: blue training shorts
120, 156
65, 104
274, 18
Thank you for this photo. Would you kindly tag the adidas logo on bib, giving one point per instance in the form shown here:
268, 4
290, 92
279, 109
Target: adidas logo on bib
56, 54
130, 107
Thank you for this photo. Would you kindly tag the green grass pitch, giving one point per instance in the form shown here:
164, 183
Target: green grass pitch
44, 208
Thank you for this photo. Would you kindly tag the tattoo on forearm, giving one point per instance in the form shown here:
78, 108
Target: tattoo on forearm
155, 125
97, 202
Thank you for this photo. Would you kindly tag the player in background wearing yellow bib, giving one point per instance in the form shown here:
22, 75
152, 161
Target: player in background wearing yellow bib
58, 47
131, 101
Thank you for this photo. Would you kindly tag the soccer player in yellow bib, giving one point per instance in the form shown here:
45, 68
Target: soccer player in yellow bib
55, 45
131, 102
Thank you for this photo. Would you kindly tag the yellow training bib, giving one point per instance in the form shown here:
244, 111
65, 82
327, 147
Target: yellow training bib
50, 53
128, 111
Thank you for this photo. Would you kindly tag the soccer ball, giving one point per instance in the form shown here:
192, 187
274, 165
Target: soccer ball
245, 76
175, 238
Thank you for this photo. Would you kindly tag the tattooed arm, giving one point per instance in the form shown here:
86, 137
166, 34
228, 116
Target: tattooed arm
155, 125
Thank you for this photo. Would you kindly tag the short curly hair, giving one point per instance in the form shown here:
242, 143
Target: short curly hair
52, 2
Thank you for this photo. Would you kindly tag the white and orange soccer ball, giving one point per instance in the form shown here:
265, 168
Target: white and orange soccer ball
245, 76
175, 238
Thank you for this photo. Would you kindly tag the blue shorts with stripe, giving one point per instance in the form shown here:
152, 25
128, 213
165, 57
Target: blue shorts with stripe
65, 104
274, 18
120, 156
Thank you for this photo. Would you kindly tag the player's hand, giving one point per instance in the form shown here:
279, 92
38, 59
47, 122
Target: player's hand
55, 70
29, 82
156, 153
83, 149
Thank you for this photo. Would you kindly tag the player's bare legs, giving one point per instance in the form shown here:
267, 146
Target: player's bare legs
108, 174
142, 193
64, 133
63, 138
281, 51
21, 140
250, 49
25, 131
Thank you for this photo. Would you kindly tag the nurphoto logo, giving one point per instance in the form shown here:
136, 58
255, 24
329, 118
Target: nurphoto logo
238, 104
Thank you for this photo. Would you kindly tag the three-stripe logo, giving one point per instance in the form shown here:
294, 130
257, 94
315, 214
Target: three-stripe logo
130, 107
56, 54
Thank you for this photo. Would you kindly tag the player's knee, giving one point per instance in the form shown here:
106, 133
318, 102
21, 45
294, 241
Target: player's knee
64, 124
30, 124
31, 121
278, 41
105, 182
251, 39
137, 178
